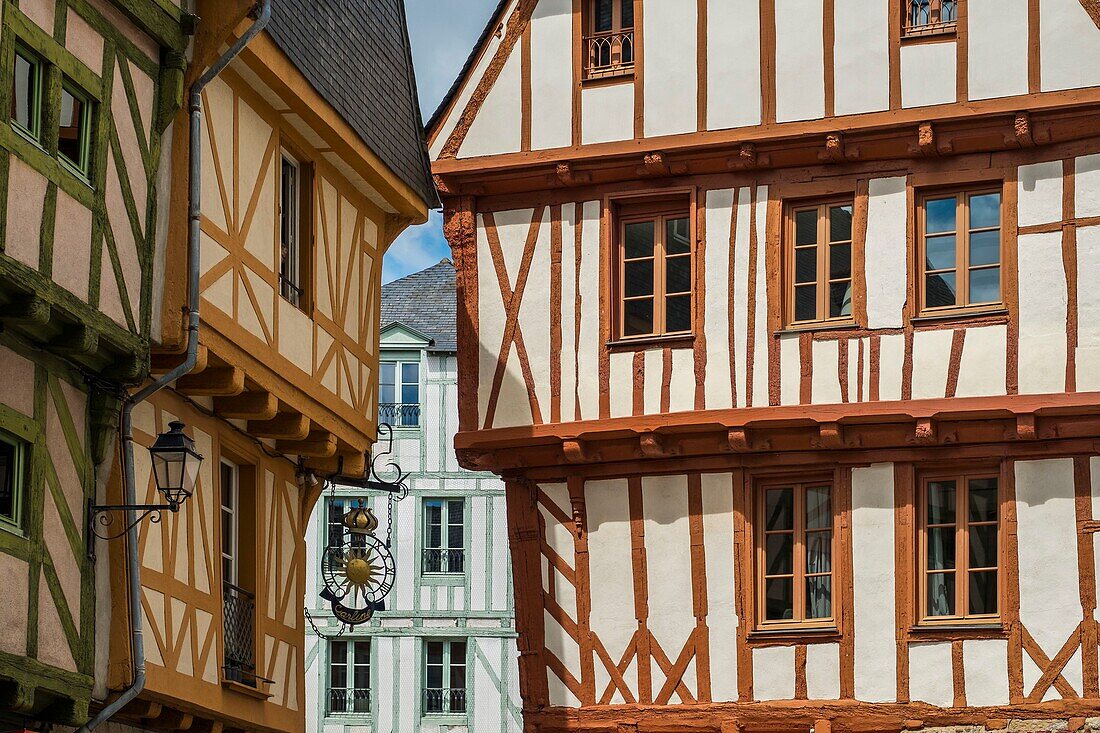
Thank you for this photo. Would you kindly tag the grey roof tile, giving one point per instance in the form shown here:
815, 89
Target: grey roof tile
426, 302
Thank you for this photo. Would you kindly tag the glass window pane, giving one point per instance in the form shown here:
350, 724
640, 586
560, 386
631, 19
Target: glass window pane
819, 552
410, 373
805, 227
339, 652
941, 594
677, 236
805, 265
638, 278
435, 652
454, 536
7, 481
805, 303
985, 247
983, 500
678, 314
941, 548
779, 554
939, 253
941, 502
677, 275
779, 599
628, 13
840, 299
779, 509
73, 126
455, 511
387, 372
410, 394
939, 215
985, 211
985, 285
939, 290
840, 223
983, 546
435, 677
638, 319
639, 239
818, 514
819, 597
840, 261
24, 100
983, 593
603, 15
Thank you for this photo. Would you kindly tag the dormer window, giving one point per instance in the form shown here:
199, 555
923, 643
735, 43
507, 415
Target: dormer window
609, 38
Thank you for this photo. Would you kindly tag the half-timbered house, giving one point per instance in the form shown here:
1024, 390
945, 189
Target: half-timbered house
779, 320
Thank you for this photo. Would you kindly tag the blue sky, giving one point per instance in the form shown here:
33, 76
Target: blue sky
442, 32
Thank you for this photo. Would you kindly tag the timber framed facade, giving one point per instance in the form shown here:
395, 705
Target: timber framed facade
934, 348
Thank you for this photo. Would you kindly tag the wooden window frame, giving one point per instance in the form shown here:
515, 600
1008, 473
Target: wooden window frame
798, 622
932, 29
18, 473
660, 213
962, 547
615, 72
824, 278
302, 228
962, 194
34, 133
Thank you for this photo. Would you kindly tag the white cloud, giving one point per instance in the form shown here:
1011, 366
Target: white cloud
417, 248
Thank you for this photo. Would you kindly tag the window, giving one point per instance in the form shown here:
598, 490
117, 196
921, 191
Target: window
929, 17
336, 533
399, 393
294, 236
444, 677
959, 548
26, 95
230, 491
74, 140
819, 263
655, 274
239, 604
12, 457
444, 536
960, 250
795, 550
349, 677
609, 38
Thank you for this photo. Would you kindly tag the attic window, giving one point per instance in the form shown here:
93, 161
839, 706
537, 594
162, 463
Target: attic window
609, 38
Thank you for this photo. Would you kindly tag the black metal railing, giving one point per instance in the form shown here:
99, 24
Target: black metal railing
610, 54
239, 609
341, 701
399, 415
445, 700
442, 560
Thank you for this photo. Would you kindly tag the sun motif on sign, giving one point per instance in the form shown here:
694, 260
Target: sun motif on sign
358, 570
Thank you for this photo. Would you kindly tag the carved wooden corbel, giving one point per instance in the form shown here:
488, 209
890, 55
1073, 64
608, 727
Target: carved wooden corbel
580, 528
830, 436
925, 432
564, 175
577, 451
929, 142
473, 460
657, 164
747, 157
1022, 130
1026, 428
835, 149
653, 445
741, 440
442, 185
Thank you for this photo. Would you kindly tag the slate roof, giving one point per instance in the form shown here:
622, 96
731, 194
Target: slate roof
425, 301
356, 54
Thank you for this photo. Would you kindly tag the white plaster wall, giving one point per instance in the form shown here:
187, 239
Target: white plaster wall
740, 288
985, 672
825, 384
716, 324
891, 361
681, 391
568, 354
612, 615
562, 646
513, 406
607, 113
671, 79
928, 74
1086, 184
490, 316
773, 673
930, 678
861, 57
1069, 46
823, 671
552, 74
1040, 197
717, 491
668, 557
790, 368
588, 342
984, 362
885, 256
997, 48
931, 357
1043, 307
497, 127
733, 63
800, 60
653, 362
1088, 310
534, 313
873, 576
621, 383
1050, 607
760, 357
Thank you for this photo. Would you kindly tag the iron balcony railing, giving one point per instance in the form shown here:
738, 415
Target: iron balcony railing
343, 701
445, 700
929, 17
443, 560
239, 608
610, 54
399, 415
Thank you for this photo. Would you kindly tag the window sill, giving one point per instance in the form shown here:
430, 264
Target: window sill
987, 316
445, 579
245, 690
931, 33
781, 636
619, 77
645, 343
994, 630
817, 326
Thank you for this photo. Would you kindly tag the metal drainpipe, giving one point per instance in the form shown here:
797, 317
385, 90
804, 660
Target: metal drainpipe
262, 14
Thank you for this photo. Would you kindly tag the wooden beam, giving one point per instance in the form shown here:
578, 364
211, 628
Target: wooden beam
162, 361
30, 310
318, 444
77, 340
284, 426
224, 381
355, 464
257, 405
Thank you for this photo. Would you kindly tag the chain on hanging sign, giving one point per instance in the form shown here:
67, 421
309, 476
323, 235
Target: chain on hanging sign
359, 571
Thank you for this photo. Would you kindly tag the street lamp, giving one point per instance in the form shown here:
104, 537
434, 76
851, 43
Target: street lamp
175, 469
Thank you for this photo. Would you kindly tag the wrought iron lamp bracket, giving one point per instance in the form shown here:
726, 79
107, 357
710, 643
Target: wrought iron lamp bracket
104, 515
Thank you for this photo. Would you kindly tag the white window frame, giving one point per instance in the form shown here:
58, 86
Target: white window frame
447, 664
399, 385
290, 285
351, 664
230, 546
444, 535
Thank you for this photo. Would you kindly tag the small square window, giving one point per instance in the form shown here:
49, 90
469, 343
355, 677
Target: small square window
26, 95
12, 458
74, 139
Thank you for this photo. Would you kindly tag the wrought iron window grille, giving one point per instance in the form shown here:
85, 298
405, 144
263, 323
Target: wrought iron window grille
399, 414
239, 610
348, 701
609, 54
444, 561
445, 701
